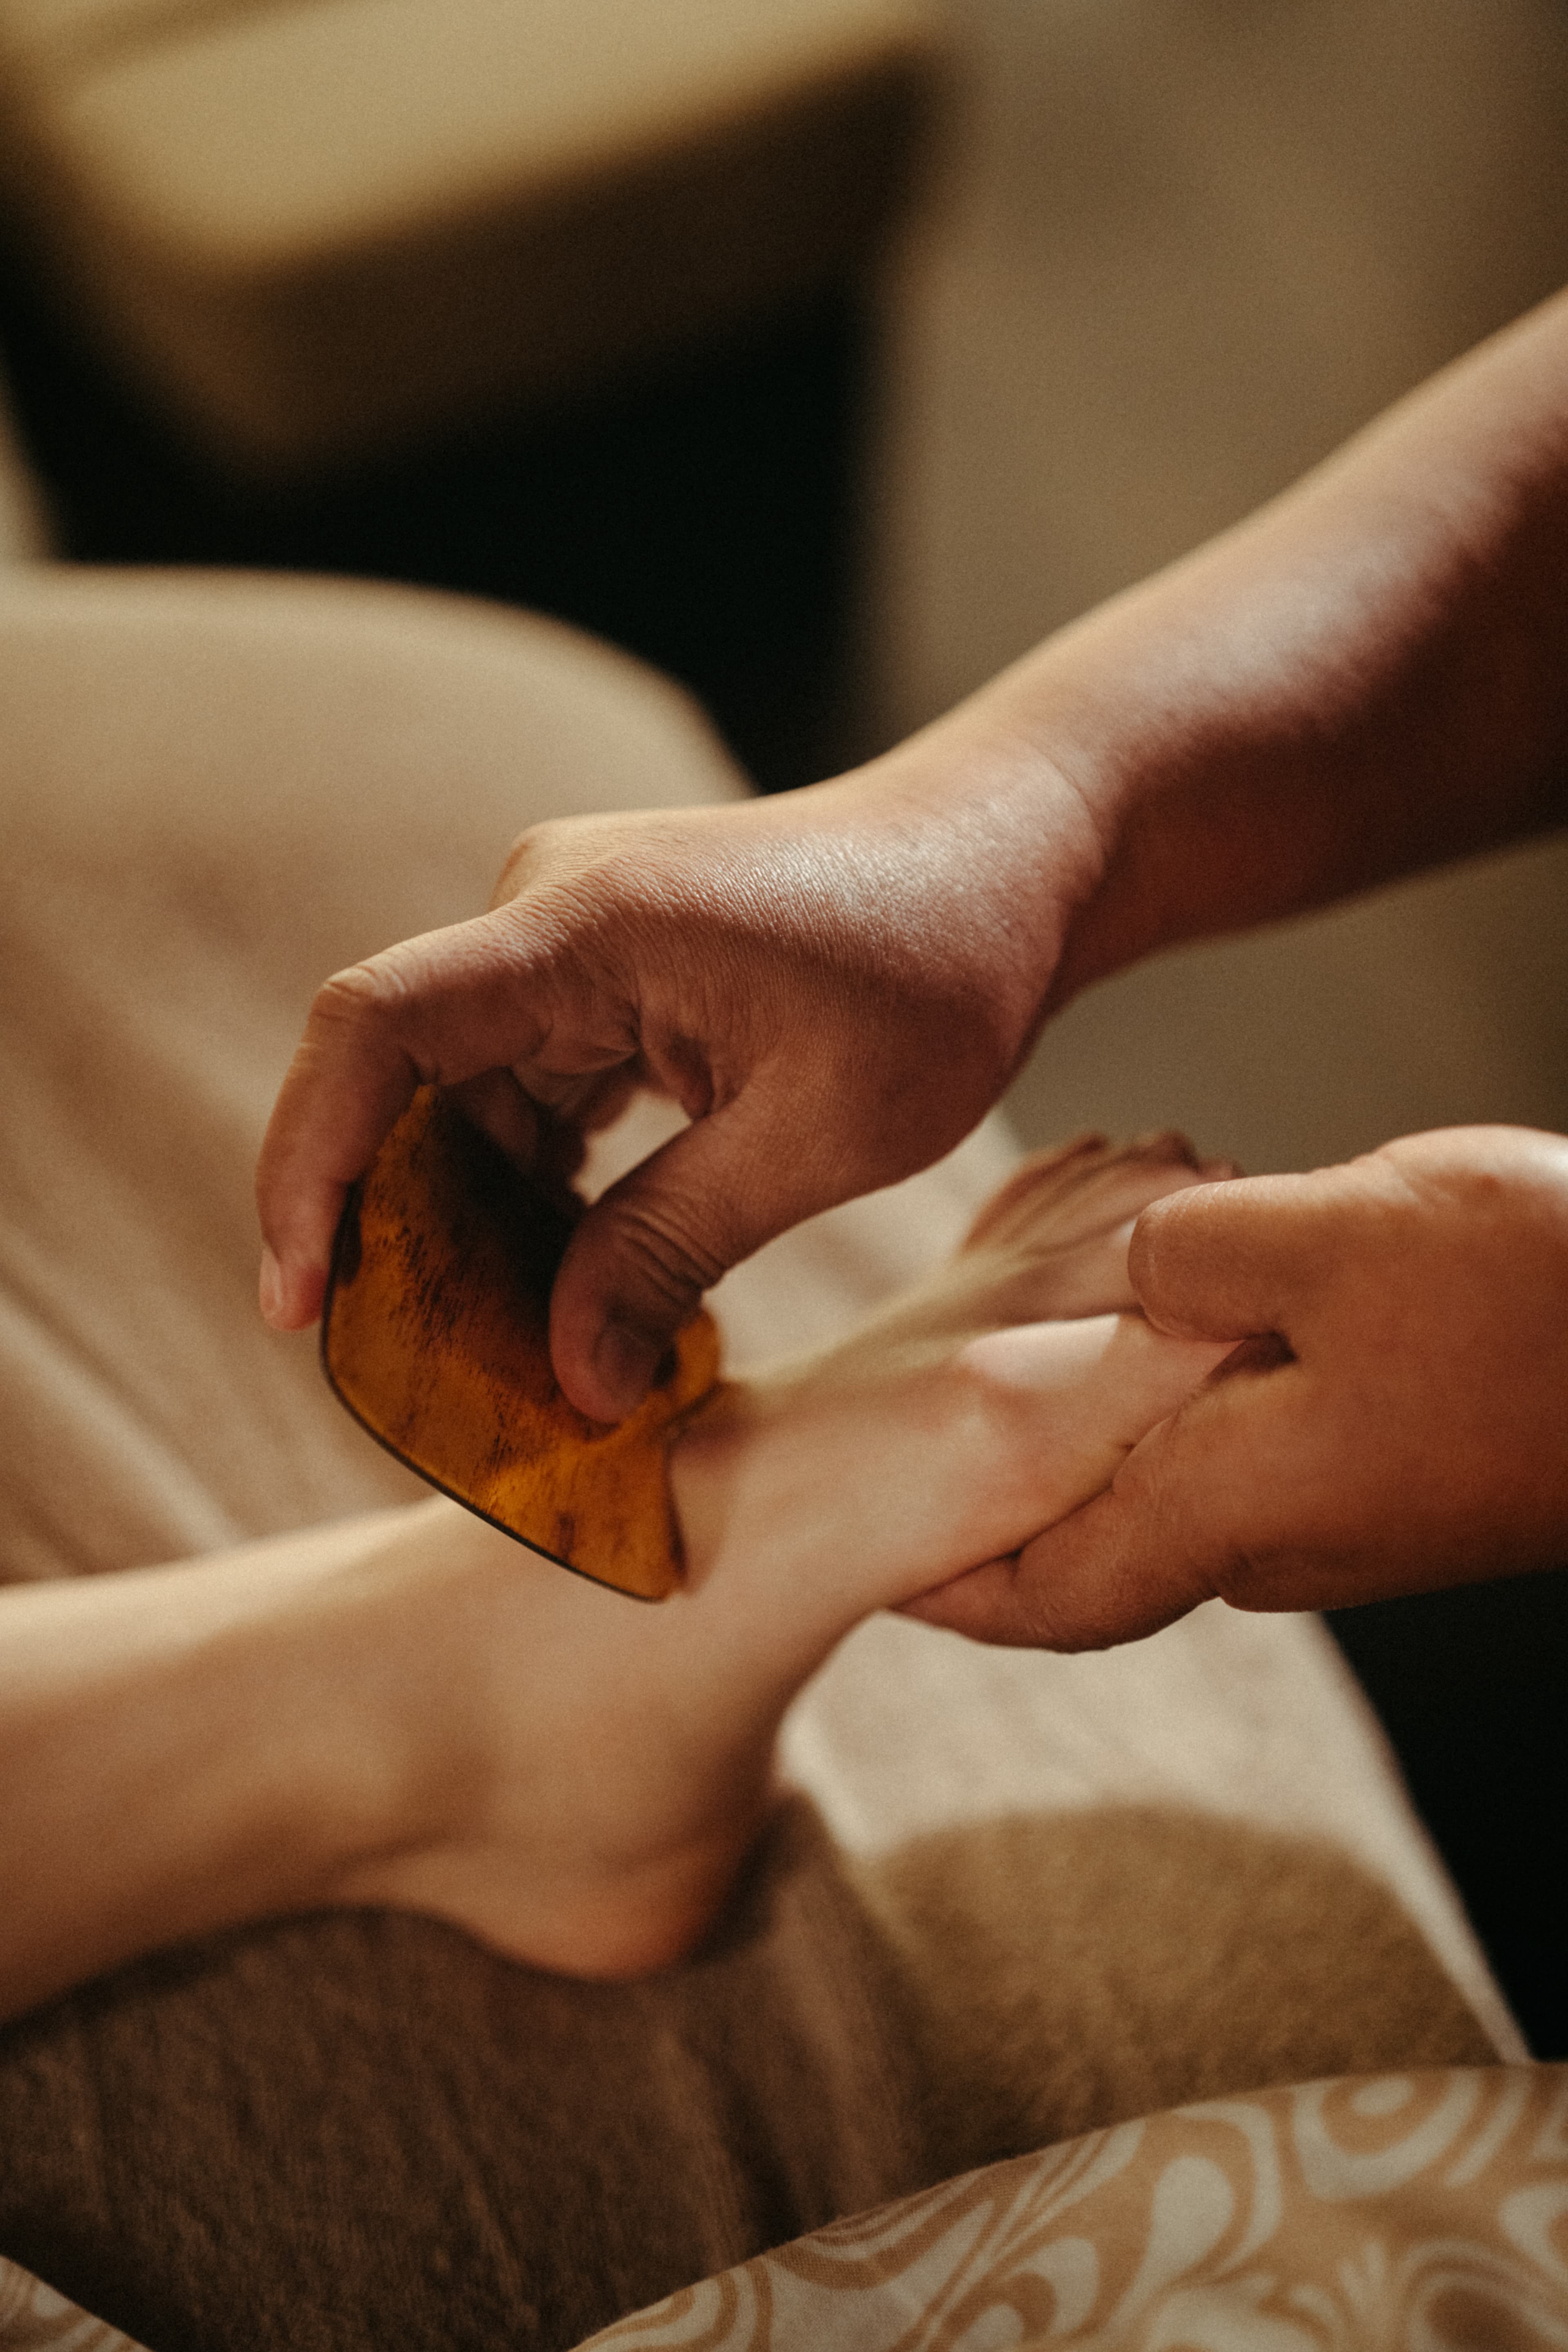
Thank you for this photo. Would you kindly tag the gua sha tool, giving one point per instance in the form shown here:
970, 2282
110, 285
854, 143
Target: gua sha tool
435, 1336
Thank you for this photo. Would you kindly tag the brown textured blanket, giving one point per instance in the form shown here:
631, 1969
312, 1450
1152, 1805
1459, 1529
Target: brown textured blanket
361, 2130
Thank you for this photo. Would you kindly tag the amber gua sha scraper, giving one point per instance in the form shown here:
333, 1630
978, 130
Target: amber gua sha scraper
435, 1336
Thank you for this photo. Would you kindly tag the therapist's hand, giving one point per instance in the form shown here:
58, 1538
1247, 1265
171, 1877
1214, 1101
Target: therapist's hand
835, 984
1415, 1435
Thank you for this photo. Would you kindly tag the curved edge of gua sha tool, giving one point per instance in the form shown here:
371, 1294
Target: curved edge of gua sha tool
434, 1334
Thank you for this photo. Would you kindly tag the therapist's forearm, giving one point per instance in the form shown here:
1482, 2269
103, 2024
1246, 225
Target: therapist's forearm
1369, 676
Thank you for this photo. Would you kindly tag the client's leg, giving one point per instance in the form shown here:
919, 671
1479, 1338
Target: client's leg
417, 1711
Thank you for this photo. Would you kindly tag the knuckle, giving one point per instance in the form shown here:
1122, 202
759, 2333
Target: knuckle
528, 858
1244, 1577
1044, 1623
375, 1013
371, 994
668, 1264
1058, 1586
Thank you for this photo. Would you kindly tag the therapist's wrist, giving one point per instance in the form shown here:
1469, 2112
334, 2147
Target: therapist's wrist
1015, 829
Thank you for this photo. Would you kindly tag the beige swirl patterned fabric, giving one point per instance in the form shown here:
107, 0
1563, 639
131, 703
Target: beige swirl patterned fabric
34, 2319
1384, 2213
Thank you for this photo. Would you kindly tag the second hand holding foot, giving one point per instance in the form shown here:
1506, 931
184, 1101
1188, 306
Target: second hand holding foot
1401, 1430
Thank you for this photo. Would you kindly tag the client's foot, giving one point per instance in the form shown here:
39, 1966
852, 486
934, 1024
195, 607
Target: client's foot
608, 1764
589, 1770
1069, 1215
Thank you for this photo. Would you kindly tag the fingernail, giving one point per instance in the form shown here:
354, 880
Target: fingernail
271, 1288
624, 1361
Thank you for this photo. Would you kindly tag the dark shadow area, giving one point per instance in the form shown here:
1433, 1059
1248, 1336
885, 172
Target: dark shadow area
1470, 1686
700, 515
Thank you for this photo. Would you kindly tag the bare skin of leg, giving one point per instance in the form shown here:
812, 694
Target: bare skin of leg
411, 1710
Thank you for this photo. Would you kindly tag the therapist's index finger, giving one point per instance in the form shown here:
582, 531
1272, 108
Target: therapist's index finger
332, 1114
434, 1010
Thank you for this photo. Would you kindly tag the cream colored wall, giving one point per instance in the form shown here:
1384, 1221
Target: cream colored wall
1179, 248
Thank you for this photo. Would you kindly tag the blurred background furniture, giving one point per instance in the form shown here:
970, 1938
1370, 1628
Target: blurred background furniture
550, 302
314, 232
325, 283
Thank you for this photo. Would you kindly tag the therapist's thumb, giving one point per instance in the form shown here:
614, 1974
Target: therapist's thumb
641, 1257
